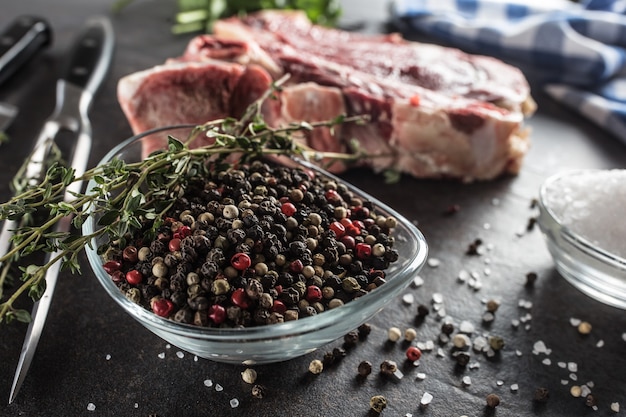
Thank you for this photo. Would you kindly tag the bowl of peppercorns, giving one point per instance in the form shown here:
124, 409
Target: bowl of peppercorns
242, 259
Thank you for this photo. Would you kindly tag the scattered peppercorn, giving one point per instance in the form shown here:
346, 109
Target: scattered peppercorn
541, 395
316, 367
378, 403
364, 330
350, 338
422, 310
258, 391
364, 368
493, 400
590, 401
531, 277
584, 328
394, 334
388, 367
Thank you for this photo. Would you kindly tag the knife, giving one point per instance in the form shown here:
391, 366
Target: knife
89, 62
20, 42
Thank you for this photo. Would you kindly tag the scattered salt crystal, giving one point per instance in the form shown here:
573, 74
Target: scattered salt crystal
474, 275
499, 382
487, 271
219, 388
234, 403
473, 365
107, 357
433, 262
437, 298
518, 353
574, 321
195, 358
540, 347
573, 377
426, 399
161, 355
572, 367
600, 343
515, 323
136, 405
408, 299
408, 415
421, 376
466, 327
91, 407
588, 202
590, 384
208, 383
564, 382
584, 390
487, 261
440, 353
624, 337
561, 365
486, 226
441, 313
615, 407
180, 354
417, 282
488, 317
463, 276
168, 346
467, 381
514, 387
546, 361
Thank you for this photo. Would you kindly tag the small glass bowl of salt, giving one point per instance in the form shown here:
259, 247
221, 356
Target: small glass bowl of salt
583, 220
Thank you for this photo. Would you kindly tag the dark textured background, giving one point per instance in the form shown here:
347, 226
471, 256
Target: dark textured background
71, 369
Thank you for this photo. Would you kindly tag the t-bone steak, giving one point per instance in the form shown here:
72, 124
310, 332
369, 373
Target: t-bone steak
435, 112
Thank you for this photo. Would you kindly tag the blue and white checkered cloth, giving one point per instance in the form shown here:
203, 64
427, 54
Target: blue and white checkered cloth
576, 51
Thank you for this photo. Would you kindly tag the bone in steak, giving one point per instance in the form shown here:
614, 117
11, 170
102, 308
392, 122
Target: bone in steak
435, 111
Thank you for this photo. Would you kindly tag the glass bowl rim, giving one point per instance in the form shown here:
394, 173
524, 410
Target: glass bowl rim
270, 331
575, 239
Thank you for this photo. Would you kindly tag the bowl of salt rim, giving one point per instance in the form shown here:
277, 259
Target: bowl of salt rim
581, 215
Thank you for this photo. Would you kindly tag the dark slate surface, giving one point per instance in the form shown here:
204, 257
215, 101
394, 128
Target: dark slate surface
72, 367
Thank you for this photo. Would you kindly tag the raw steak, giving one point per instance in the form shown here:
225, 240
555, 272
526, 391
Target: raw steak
435, 112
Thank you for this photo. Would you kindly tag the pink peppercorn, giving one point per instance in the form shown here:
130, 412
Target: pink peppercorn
296, 266
134, 277
313, 294
278, 307
111, 266
182, 232
288, 209
174, 244
241, 261
363, 250
338, 229
162, 307
217, 314
240, 299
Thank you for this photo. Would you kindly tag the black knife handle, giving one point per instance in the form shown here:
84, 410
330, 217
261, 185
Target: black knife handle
87, 53
20, 42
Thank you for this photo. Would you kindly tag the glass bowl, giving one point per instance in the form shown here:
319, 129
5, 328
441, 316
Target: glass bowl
272, 342
579, 256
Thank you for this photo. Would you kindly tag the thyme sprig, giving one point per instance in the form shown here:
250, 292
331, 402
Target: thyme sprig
125, 195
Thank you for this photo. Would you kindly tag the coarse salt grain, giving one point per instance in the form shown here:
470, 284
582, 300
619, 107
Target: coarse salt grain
433, 262
208, 383
590, 204
467, 381
417, 282
615, 407
514, 387
546, 361
107, 357
408, 299
219, 388
180, 354
421, 376
426, 399
161, 355
234, 403
91, 407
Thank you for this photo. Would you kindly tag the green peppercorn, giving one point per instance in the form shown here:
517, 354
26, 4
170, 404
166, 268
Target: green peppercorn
350, 285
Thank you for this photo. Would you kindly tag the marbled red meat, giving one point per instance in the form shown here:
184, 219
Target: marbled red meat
434, 111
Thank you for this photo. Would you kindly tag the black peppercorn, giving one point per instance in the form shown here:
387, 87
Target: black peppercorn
541, 395
364, 368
